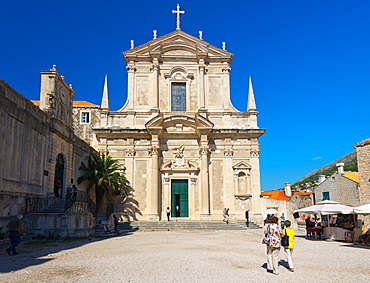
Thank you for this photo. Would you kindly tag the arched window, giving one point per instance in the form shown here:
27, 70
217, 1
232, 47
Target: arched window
59, 176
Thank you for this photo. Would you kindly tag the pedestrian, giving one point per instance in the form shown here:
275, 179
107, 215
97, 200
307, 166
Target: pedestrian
273, 247
282, 221
177, 211
227, 216
74, 193
224, 214
168, 211
115, 221
69, 193
15, 233
58, 189
104, 223
247, 217
288, 250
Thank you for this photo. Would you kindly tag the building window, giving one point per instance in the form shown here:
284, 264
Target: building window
325, 196
85, 117
178, 97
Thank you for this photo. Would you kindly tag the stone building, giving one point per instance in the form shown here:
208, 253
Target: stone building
363, 161
181, 140
342, 187
40, 154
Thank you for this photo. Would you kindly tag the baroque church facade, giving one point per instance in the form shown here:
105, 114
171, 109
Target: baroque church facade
181, 141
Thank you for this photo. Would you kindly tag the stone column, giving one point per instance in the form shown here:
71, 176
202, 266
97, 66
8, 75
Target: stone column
131, 84
155, 67
166, 195
201, 83
205, 203
154, 196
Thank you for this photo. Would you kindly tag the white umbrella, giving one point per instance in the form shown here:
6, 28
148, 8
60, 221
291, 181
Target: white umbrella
271, 211
324, 208
363, 209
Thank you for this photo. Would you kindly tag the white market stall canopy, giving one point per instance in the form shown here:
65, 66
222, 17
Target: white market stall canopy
324, 207
363, 209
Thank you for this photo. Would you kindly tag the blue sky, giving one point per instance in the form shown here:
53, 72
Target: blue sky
309, 62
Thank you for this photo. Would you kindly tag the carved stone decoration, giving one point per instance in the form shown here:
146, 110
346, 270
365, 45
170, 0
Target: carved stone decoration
243, 197
204, 149
130, 152
228, 151
255, 152
179, 160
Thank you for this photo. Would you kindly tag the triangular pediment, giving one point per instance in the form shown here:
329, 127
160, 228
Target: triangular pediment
177, 43
242, 165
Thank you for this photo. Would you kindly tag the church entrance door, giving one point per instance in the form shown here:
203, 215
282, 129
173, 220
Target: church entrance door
179, 198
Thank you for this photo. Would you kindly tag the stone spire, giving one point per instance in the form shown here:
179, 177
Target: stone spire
105, 100
251, 102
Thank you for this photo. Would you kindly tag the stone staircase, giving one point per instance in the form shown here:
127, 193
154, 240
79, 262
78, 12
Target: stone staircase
183, 225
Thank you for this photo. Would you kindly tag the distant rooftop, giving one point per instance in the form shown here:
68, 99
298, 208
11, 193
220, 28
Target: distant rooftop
75, 103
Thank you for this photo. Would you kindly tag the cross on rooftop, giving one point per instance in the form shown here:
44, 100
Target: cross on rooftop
178, 12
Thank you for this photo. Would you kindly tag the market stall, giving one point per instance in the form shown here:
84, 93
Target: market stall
334, 225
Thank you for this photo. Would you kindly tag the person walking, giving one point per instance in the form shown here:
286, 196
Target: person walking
247, 217
273, 247
282, 221
168, 211
15, 233
115, 221
288, 250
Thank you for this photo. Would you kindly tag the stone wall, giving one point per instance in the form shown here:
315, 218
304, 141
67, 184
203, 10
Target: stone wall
341, 189
363, 162
61, 225
30, 141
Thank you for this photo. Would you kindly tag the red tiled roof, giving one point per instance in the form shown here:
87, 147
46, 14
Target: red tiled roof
276, 194
75, 103
280, 194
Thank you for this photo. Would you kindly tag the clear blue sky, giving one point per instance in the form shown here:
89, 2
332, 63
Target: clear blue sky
309, 61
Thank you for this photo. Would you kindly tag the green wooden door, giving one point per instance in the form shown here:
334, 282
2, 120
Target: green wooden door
179, 197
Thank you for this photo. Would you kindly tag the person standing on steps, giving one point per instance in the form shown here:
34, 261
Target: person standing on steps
115, 221
168, 211
177, 211
15, 233
227, 216
247, 217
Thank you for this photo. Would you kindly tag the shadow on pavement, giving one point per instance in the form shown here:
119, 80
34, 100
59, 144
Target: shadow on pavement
35, 252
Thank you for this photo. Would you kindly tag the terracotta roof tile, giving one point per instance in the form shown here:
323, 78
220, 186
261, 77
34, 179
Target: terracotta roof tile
75, 103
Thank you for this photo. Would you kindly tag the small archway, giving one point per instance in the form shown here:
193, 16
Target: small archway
59, 176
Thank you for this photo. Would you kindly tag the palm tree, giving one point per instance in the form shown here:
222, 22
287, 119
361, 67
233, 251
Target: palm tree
103, 173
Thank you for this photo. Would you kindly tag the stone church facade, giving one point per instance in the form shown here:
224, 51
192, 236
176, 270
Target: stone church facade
182, 142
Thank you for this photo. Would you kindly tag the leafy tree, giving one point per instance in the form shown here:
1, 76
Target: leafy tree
103, 173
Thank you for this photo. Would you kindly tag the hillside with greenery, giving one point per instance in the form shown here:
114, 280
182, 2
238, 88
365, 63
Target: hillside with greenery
310, 180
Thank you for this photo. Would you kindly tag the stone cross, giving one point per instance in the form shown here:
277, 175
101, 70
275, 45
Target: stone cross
154, 34
178, 12
223, 45
132, 44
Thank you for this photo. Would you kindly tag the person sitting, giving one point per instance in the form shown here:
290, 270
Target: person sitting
104, 223
364, 238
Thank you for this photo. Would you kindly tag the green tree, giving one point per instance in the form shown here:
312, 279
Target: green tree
103, 173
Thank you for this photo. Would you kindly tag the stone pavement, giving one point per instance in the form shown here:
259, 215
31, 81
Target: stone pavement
182, 256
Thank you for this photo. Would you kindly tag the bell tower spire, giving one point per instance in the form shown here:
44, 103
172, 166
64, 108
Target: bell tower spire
251, 102
105, 99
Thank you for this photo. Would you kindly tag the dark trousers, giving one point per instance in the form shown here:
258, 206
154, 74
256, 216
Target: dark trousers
15, 239
168, 216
